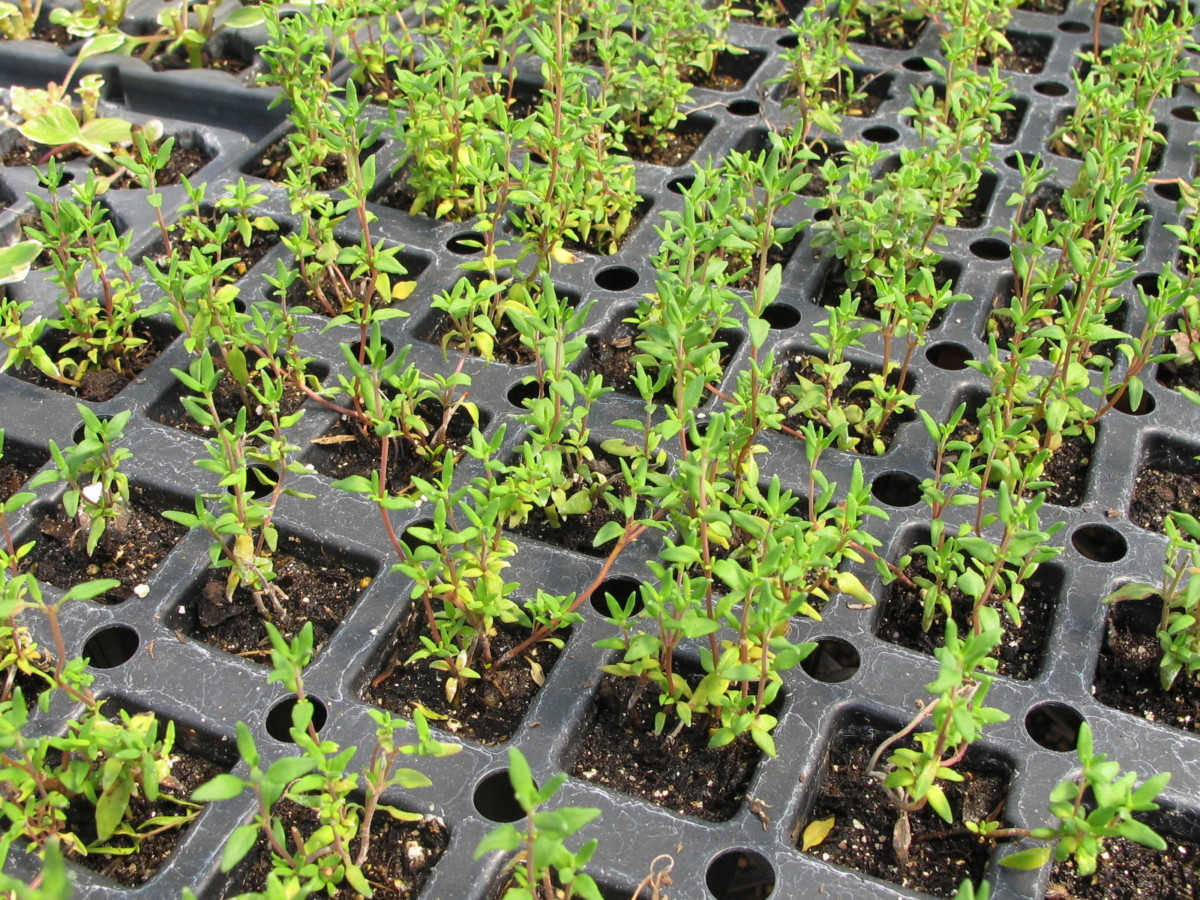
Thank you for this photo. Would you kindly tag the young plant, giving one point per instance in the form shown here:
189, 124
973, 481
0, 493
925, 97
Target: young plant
910, 776
97, 494
1179, 592
344, 804
544, 868
1091, 808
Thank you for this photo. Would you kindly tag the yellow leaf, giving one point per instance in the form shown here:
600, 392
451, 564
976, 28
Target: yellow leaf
401, 289
536, 673
563, 256
815, 832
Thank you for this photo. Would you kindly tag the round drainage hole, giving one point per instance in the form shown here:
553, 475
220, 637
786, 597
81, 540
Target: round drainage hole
110, 647
949, 356
679, 185
1054, 726
617, 278
896, 489
494, 798
990, 248
524, 390
740, 873
780, 316
1146, 404
279, 719
833, 660
881, 134
623, 590
1051, 88
356, 349
466, 243
743, 107
1099, 543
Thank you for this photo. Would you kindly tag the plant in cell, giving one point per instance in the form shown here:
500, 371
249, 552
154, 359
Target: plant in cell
97, 493
189, 28
910, 775
1179, 593
251, 464
18, 20
1091, 808
543, 866
820, 85
344, 804
93, 17
49, 118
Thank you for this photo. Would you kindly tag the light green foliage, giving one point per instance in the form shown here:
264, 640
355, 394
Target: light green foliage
911, 775
97, 494
544, 866
1097, 805
1179, 593
344, 803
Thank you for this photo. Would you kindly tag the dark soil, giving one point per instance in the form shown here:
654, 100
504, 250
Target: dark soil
137, 868
341, 452
1002, 325
871, 88
1127, 674
779, 12
168, 62
776, 255
1179, 373
183, 162
128, 552
24, 152
508, 347
730, 72
593, 243
681, 143
893, 32
488, 709
98, 384
613, 360
834, 285
940, 855
169, 410
1129, 871
1028, 55
1051, 7
17, 467
1020, 650
272, 165
620, 750
54, 34
1159, 491
400, 861
800, 364
321, 588
261, 243
1010, 123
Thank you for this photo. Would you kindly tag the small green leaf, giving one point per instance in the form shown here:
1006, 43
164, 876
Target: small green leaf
1031, 858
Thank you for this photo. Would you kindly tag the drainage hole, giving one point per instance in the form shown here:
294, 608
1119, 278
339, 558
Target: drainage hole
833, 660
110, 647
279, 719
1054, 726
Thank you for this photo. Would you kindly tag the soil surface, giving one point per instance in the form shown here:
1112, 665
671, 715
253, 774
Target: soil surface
1028, 56
272, 165
1052, 7
682, 141
24, 152
892, 32
183, 162
1020, 650
400, 861
340, 452
940, 855
167, 62
800, 364
834, 285
771, 13
488, 709
261, 243
1177, 374
507, 348
228, 400
620, 750
17, 466
730, 72
1157, 492
98, 384
1127, 674
320, 591
1129, 871
191, 771
129, 551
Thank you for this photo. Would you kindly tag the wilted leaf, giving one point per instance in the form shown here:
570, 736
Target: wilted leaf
815, 832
